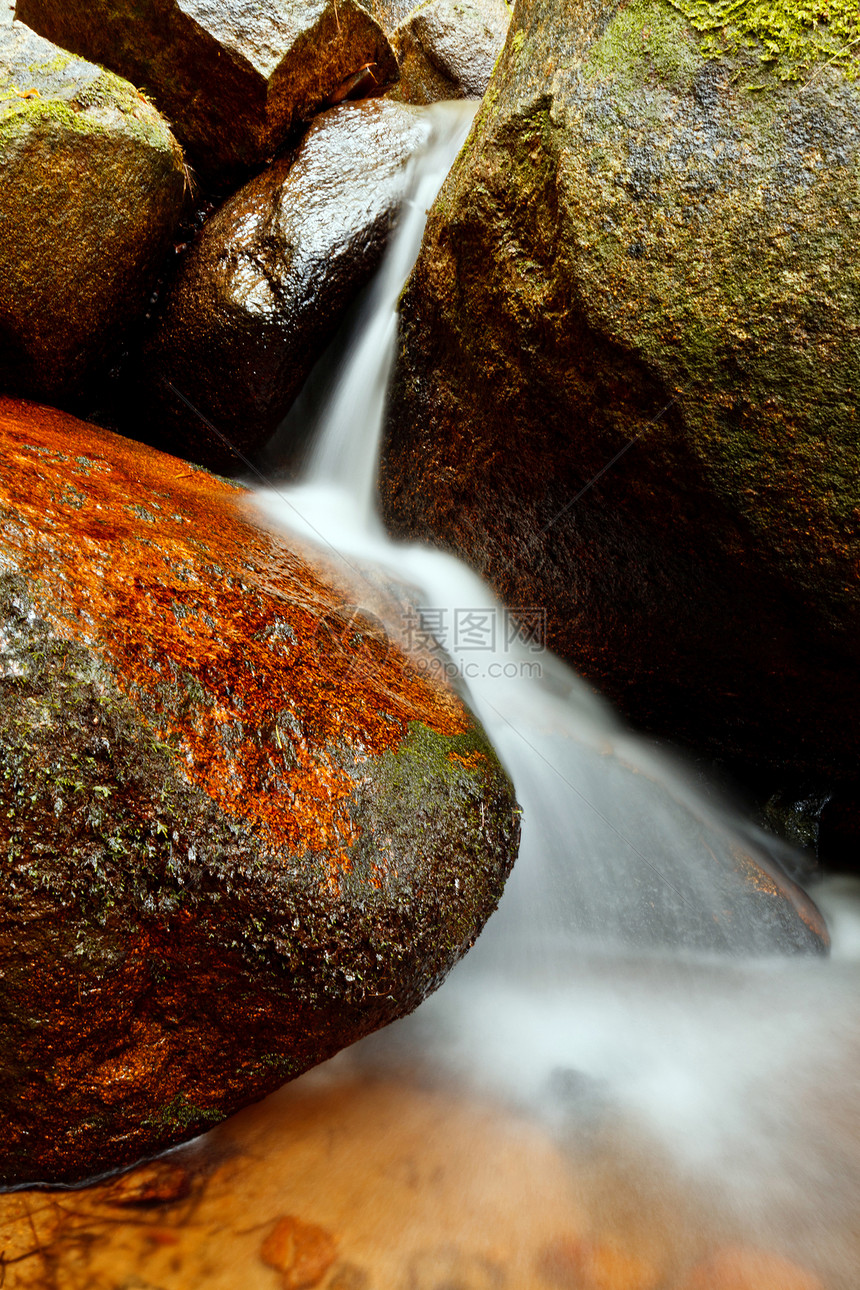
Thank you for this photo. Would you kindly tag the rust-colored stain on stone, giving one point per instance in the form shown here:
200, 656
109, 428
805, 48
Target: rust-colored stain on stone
225, 668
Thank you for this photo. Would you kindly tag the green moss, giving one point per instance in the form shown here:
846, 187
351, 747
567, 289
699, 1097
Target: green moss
647, 37
792, 35
78, 109
180, 1114
28, 114
52, 66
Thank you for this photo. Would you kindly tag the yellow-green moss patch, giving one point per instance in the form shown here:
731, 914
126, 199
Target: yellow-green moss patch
792, 35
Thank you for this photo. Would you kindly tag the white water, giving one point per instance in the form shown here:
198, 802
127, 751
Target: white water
631, 970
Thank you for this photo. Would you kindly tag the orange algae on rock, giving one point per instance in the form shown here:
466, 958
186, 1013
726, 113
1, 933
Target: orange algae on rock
228, 852
229, 667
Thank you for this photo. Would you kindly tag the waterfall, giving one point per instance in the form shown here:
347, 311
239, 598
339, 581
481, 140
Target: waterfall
617, 845
632, 968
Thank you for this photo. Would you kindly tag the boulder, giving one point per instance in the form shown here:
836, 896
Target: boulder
627, 386
447, 49
262, 289
91, 187
229, 849
234, 78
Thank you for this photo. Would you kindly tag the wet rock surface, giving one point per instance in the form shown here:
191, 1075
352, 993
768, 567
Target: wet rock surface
228, 852
233, 78
91, 188
447, 49
628, 374
265, 285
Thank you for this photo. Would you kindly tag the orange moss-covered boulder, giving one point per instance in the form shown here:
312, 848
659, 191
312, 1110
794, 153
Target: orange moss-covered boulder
227, 850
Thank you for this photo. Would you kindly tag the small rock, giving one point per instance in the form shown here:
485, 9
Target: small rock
233, 78
263, 288
91, 188
302, 1252
447, 49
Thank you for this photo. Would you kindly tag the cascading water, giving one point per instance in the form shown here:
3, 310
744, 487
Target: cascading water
616, 844
637, 967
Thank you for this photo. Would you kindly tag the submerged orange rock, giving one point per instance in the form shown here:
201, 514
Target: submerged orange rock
228, 852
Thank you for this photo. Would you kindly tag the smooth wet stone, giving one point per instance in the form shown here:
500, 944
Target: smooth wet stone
235, 77
91, 188
627, 387
261, 291
228, 849
447, 49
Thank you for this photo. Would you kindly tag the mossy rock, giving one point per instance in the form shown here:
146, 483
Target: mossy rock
629, 374
228, 849
92, 185
233, 79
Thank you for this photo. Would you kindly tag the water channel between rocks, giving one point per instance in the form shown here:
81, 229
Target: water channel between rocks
639, 1079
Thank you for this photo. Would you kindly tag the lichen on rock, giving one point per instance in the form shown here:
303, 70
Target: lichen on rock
226, 852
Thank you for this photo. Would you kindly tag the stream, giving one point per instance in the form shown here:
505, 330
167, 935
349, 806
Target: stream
636, 1073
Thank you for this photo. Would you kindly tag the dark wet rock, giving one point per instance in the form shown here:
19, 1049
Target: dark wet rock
263, 288
228, 852
233, 78
91, 188
628, 377
447, 49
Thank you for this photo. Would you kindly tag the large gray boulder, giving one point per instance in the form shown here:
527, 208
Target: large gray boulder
240, 828
264, 286
628, 379
235, 77
91, 187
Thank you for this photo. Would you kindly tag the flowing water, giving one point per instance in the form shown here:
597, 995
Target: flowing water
633, 1070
